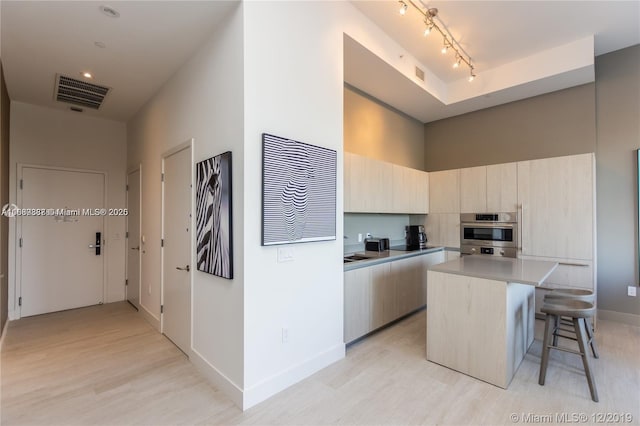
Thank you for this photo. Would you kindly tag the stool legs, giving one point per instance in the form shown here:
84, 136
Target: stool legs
582, 343
592, 339
548, 332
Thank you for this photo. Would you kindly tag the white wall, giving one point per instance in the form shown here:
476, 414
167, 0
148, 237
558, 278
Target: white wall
52, 137
204, 101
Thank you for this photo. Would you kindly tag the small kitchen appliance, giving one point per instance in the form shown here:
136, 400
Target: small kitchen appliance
376, 244
416, 237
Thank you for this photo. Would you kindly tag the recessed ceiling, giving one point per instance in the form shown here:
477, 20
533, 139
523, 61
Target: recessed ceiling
143, 47
516, 47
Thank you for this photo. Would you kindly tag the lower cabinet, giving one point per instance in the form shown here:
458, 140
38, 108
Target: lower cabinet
377, 295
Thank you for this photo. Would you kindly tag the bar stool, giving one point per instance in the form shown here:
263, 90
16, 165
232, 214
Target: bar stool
574, 294
578, 311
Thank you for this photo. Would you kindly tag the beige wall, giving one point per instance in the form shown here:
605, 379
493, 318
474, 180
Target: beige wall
618, 124
376, 130
550, 125
4, 199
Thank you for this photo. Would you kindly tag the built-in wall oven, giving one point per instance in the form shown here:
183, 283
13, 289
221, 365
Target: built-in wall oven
490, 234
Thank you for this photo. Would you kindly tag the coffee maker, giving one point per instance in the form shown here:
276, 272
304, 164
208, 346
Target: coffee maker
416, 238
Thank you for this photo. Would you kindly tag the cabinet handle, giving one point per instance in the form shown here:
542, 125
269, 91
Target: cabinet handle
521, 236
574, 264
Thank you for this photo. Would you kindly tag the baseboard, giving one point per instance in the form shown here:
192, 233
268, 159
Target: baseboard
631, 319
151, 319
4, 333
272, 385
215, 376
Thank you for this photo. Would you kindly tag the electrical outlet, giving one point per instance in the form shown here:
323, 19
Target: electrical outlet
631, 291
285, 335
359, 238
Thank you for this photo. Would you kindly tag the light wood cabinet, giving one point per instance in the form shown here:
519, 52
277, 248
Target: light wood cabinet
384, 305
473, 190
443, 229
372, 186
379, 294
557, 198
502, 187
444, 191
357, 303
489, 188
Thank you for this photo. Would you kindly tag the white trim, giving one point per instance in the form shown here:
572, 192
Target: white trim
4, 333
217, 378
149, 317
622, 317
185, 145
138, 169
278, 382
15, 290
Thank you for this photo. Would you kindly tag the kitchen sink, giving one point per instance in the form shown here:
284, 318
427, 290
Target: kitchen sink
354, 257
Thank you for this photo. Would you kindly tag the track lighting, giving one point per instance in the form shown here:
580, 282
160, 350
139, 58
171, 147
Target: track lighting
448, 41
403, 7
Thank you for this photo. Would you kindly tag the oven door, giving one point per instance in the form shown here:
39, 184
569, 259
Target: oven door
488, 234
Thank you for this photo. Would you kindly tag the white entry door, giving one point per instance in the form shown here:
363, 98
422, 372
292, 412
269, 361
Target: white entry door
176, 231
133, 238
59, 265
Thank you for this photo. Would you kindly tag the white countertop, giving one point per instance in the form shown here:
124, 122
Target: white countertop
532, 272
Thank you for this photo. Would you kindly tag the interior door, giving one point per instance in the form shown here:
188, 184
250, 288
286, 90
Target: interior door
133, 238
60, 266
176, 289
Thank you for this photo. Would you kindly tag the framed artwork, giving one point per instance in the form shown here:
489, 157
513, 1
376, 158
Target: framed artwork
214, 236
298, 192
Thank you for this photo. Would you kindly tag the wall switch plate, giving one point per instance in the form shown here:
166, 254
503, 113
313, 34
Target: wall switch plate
359, 238
149, 291
285, 335
285, 254
631, 291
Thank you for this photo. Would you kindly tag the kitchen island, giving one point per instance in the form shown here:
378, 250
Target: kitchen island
480, 314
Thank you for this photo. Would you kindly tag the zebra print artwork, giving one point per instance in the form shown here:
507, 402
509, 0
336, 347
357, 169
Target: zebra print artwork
298, 192
213, 216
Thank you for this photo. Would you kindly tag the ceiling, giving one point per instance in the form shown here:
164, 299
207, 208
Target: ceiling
143, 47
152, 39
499, 36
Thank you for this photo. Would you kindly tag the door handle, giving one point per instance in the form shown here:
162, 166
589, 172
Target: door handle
135, 248
186, 268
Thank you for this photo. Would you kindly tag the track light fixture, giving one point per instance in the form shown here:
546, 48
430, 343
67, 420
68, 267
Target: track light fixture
448, 41
403, 7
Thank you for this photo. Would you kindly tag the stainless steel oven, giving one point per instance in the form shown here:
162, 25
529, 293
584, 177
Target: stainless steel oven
491, 234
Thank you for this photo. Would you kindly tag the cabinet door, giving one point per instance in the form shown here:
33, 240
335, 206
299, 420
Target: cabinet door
557, 197
444, 191
357, 303
404, 186
423, 192
379, 176
502, 187
473, 190
347, 182
429, 260
408, 277
384, 307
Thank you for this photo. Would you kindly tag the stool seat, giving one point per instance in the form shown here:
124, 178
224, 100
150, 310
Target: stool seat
578, 311
568, 308
571, 293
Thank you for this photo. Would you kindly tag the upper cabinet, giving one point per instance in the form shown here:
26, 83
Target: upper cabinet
502, 187
557, 197
489, 188
372, 186
473, 190
444, 191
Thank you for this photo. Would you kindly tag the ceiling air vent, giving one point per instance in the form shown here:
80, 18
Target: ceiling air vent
79, 92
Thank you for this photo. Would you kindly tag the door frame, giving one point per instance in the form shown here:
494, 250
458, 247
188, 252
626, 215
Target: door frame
134, 169
187, 144
18, 230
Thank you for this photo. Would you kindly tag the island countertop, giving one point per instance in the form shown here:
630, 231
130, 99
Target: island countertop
523, 271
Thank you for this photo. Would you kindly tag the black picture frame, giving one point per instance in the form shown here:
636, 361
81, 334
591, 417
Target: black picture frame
298, 191
214, 216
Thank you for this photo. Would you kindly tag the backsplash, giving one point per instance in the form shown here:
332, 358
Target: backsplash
378, 225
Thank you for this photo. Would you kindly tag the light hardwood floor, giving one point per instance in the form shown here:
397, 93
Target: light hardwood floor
106, 365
